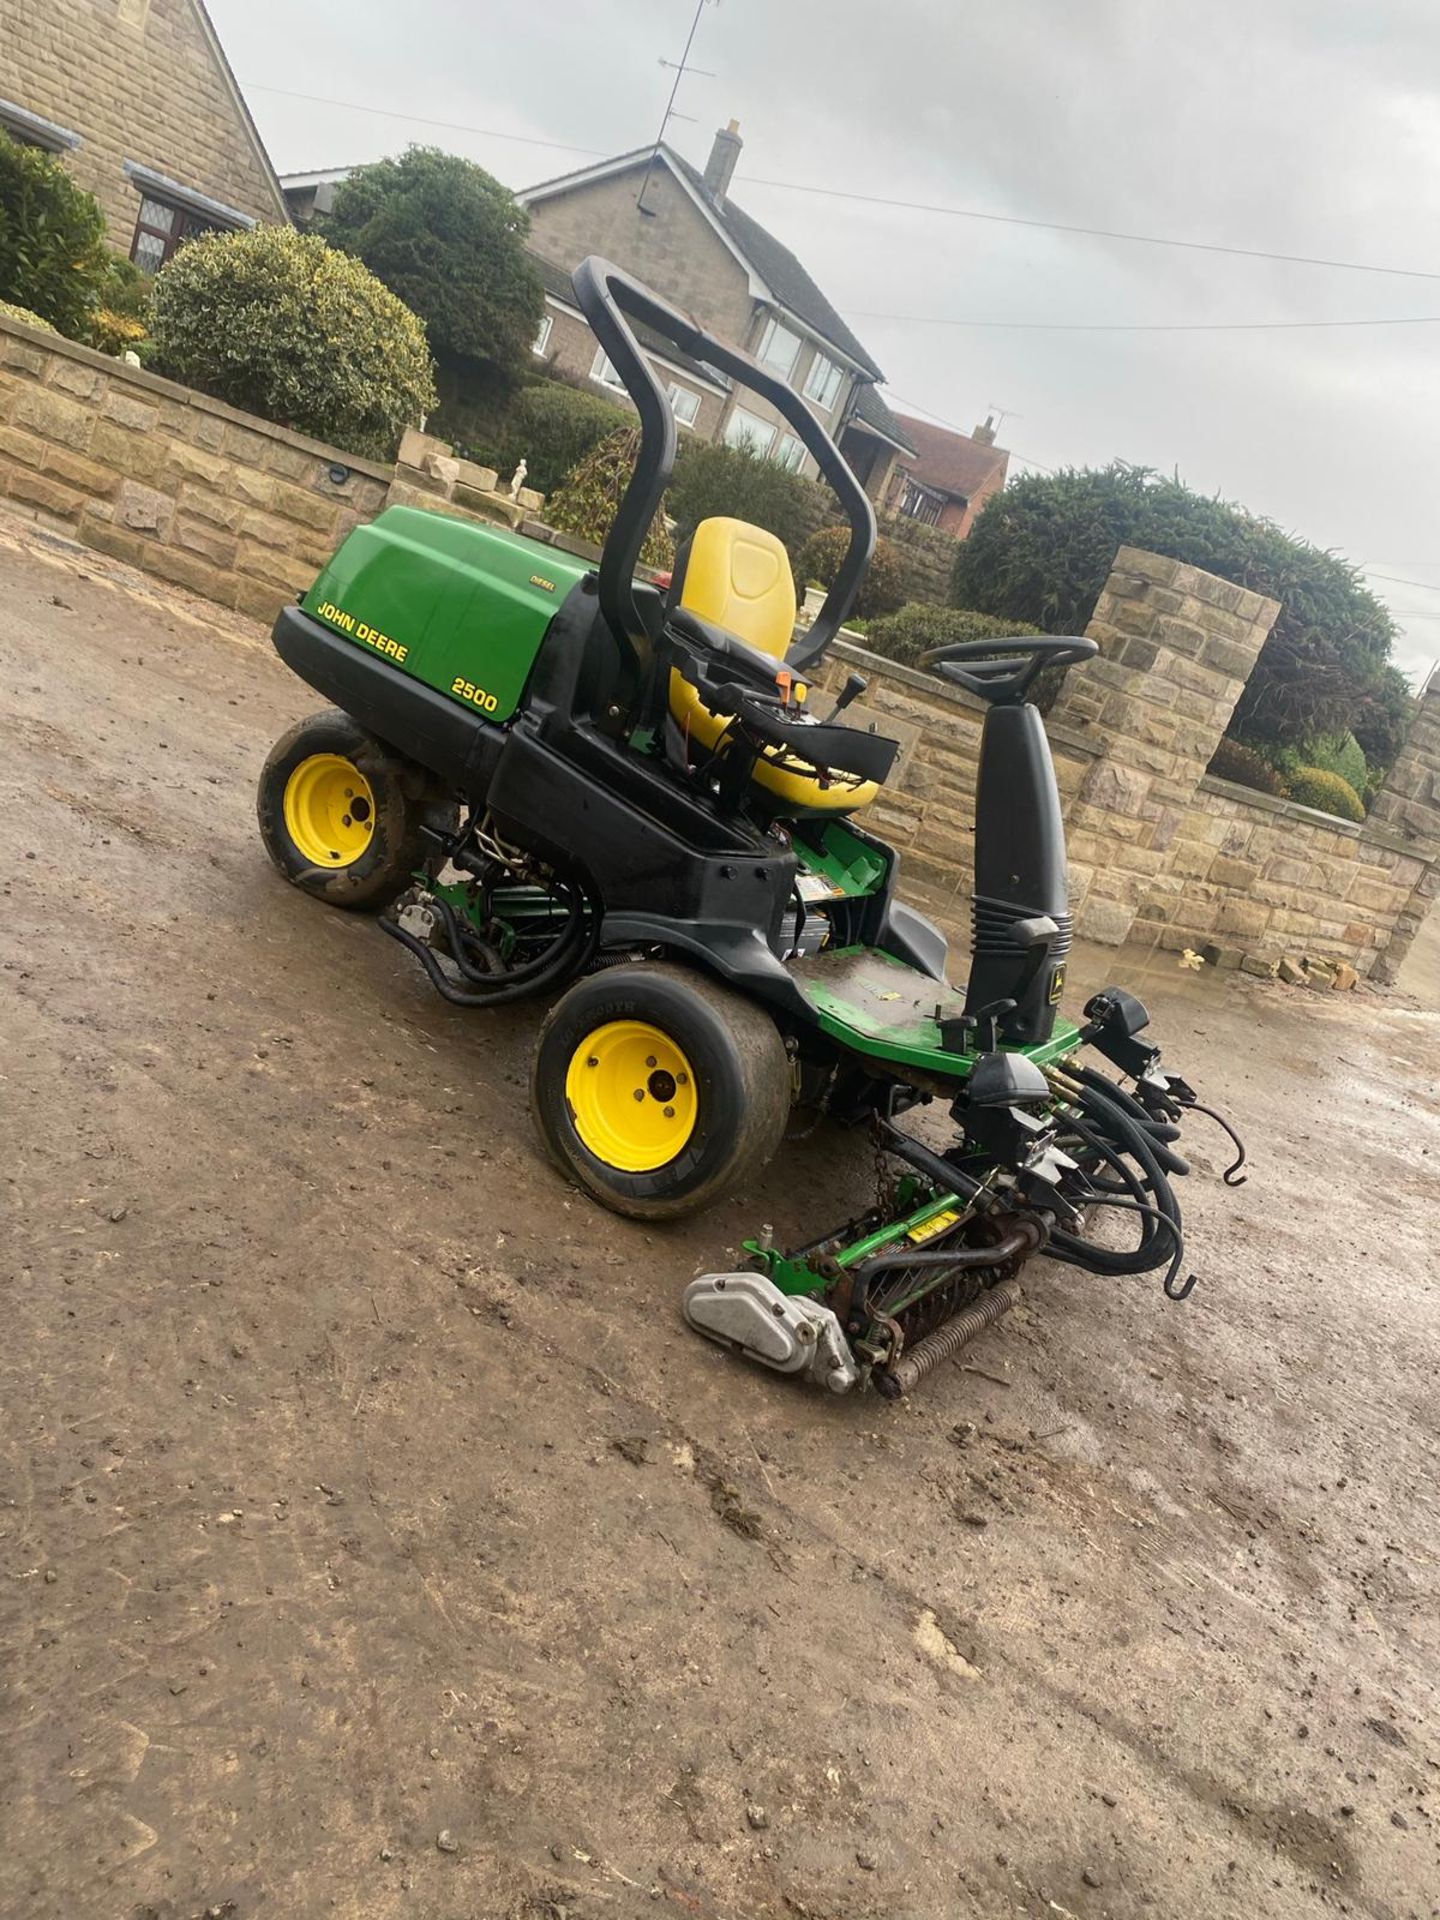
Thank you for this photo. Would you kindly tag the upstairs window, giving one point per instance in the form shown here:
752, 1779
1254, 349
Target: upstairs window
779, 349
822, 383
684, 403
791, 454
162, 230
171, 214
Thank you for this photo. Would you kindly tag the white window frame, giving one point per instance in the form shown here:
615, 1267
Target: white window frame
744, 428
783, 369
824, 390
790, 454
691, 400
542, 333
602, 370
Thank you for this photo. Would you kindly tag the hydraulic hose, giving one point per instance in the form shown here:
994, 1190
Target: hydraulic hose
564, 960
1157, 1132
1112, 1123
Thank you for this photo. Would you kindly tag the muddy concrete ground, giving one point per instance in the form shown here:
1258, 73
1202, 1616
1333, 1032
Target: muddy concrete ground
378, 1542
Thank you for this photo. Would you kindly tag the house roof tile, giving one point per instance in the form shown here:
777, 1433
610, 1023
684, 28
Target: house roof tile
871, 411
953, 462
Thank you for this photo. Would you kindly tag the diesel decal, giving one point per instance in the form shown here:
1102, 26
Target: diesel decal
467, 690
539, 580
372, 636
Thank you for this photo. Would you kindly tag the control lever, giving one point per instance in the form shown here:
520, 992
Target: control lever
855, 685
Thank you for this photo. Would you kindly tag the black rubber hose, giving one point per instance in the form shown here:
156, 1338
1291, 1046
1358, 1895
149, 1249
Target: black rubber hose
1112, 1121
1233, 1175
556, 970
1156, 1131
553, 957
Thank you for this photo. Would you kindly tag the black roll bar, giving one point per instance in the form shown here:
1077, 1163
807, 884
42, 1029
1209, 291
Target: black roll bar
606, 296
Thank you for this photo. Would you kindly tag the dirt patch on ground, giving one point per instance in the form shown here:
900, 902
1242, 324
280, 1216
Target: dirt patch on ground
377, 1541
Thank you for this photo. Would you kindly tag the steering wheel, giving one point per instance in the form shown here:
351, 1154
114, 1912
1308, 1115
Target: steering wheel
1005, 681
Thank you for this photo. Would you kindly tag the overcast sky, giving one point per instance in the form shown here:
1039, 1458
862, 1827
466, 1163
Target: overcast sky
1293, 126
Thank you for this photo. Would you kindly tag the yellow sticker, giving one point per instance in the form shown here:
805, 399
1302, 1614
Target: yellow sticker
928, 1229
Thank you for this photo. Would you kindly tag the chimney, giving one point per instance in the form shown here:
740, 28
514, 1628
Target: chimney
985, 435
720, 167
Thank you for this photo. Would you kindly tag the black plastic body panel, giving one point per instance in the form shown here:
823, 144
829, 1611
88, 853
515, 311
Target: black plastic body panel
1019, 873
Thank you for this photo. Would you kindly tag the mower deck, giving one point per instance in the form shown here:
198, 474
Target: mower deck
876, 1004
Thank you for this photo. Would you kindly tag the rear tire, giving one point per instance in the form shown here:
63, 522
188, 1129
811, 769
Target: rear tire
341, 814
656, 1089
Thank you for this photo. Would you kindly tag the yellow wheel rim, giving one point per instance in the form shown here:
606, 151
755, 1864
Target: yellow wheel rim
631, 1093
329, 810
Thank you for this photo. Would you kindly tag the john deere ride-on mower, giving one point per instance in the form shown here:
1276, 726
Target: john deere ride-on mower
552, 779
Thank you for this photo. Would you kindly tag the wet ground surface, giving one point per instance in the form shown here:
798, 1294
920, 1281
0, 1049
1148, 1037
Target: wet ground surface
376, 1541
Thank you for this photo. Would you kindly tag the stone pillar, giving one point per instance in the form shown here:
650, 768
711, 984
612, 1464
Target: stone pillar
1176, 648
1408, 805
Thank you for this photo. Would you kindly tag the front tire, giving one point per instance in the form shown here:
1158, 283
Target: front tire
341, 814
655, 1089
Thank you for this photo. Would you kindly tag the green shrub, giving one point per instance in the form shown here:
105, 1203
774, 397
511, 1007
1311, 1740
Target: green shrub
280, 324
1340, 753
882, 590
24, 315
1234, 760
1043, 548
731, 481
587, 503
449, 239
1327, 792
53, 257
551, 427
915, 629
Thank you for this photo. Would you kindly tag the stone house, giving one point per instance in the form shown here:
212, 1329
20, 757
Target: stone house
137, 98
678, 230
948, 478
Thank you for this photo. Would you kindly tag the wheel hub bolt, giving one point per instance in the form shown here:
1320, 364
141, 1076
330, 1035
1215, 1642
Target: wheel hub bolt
639, 1093
650, 1060
592, 1061
682, 1079
669, 1113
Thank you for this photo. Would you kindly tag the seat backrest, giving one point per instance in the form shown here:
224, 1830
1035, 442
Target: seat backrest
738, 576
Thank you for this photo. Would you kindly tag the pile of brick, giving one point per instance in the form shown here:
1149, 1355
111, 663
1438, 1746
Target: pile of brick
1306, 970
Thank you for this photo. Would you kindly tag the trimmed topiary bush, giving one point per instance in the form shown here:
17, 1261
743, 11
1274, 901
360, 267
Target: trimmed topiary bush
587, 503
730, 481
280, 324
1042, 550
915, 629
551, 427
1327, 792
1233, 760
26, 317
882, 591
53, 257
1339, 753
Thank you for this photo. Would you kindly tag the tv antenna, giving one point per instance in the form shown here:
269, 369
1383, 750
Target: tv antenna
679, 68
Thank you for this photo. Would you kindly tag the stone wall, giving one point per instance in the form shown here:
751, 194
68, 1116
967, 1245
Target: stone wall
170, 480
928, 554
1176, 647
142, 80
1264, 877
246, 513
1160, 851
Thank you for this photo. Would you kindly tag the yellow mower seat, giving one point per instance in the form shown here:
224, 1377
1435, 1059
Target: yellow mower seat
738, 577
